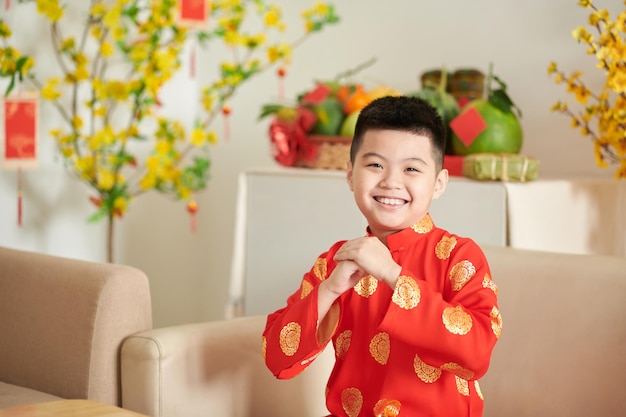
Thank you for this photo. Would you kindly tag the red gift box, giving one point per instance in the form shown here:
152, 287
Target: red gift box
454, 165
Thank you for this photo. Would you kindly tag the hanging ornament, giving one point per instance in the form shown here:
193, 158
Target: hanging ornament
20, 138
19, 197
226, 111
281, 72
193, 13
192, 59
192, 208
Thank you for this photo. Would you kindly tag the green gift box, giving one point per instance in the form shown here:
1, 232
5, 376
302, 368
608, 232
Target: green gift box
500, 167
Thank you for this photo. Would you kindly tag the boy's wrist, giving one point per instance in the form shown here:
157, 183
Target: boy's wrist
393, 276
326, 291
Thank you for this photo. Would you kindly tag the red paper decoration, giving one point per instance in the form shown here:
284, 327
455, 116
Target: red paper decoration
468, 125
193, 13
20, 131
20, 138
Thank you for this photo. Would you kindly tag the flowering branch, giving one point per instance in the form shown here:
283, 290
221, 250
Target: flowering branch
107, 91
603, 117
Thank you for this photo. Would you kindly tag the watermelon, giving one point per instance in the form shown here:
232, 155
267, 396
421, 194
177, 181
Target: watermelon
445, 103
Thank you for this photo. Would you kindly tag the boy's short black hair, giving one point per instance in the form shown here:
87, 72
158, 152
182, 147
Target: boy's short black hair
409, 114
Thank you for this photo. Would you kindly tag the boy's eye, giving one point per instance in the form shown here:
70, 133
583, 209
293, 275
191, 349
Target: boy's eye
374, 165
411, 169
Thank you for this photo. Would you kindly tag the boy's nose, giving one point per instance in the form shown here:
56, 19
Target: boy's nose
391, 180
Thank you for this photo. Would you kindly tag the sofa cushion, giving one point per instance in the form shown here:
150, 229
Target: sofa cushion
564, 330
12, 396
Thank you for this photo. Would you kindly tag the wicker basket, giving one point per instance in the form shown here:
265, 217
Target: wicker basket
467, 83
326, 152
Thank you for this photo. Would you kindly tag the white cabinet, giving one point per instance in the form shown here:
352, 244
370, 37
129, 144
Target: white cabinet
288, 216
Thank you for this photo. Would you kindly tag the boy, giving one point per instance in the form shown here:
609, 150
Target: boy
410, 308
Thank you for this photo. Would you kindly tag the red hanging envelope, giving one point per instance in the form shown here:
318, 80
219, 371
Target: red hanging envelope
20, 131
193, 13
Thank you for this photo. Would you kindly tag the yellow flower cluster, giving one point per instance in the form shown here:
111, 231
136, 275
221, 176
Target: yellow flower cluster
148, 39
12, 63
603, 114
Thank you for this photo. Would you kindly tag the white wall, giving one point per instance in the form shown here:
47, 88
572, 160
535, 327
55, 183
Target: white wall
189, 272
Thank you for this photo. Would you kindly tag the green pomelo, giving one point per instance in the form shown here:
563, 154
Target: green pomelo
329, 115
502, 135
349, 123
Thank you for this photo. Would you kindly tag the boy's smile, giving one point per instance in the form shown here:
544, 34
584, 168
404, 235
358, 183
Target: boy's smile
394, 180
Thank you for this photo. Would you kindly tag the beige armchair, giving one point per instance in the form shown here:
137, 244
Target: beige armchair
215, 369
561, 352
62, 323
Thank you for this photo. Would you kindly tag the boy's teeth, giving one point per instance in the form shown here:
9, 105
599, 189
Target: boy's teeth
393, 201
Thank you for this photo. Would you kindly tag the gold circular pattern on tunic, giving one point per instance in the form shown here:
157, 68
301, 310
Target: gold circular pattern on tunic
457, 370
319, 269
496, 321
264, 347
461, 273
407, 294
387, 408
423, 226
343, 343
380, 348
456, 320
352, 401
307, 287
290, 338
366, 286
444, 247
488, 283
462, 386
425, 372
478, 391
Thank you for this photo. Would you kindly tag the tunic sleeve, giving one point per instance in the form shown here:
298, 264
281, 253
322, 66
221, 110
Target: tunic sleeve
456, 328
290, 341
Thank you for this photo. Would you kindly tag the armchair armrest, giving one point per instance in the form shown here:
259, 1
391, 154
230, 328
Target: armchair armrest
215, 368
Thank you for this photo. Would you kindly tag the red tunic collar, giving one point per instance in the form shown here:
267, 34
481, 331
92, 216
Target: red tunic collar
410, 235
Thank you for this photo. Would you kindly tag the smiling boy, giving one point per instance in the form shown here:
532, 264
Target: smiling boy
410, 308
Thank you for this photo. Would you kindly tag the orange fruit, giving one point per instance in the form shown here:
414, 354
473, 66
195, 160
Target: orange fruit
383, 91
345, 90
356, 101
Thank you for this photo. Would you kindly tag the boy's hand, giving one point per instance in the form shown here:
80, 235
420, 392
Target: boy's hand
372, 257
344, 277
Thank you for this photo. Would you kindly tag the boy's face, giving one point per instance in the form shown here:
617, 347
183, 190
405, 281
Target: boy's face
394, 180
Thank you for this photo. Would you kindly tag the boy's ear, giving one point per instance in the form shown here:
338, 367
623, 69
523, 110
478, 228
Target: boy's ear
349, 175
440, 183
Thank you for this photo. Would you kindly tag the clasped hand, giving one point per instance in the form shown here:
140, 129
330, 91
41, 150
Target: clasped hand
360, 257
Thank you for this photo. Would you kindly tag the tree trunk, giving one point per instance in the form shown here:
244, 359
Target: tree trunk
110, 220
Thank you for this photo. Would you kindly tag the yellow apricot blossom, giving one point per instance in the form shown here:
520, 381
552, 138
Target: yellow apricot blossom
109, 83
603, 115
51, 9
50, 91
